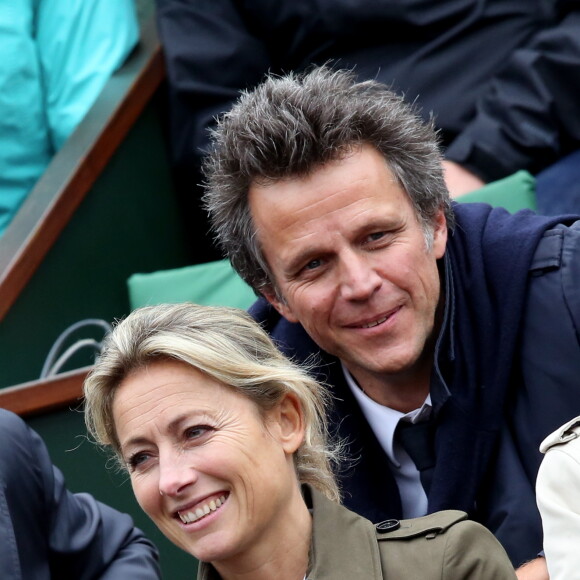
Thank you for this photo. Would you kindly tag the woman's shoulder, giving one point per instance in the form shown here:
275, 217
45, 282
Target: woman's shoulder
445, 544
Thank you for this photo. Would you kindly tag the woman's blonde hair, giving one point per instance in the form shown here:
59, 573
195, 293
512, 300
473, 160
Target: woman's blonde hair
227, 345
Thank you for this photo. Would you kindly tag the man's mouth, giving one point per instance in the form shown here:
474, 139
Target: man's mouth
202, 510
374, 322
381, 318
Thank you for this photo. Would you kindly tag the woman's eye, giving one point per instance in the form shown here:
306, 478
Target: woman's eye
197, 431
137, 460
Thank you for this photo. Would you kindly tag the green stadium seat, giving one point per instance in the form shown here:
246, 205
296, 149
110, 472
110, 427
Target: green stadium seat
216, 283
211, 284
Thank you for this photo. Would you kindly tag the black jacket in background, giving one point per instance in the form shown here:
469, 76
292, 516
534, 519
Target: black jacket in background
501, 76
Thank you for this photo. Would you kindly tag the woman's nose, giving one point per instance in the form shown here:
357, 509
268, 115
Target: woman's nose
175, 475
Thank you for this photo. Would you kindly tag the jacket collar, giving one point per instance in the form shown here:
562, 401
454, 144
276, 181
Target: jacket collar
342, 542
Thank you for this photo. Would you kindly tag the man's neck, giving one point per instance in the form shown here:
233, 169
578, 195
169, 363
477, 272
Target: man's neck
403, 393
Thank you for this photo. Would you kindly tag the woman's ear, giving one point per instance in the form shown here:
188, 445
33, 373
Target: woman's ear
286, 423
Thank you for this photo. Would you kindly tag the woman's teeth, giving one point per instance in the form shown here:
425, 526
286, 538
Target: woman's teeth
202, 511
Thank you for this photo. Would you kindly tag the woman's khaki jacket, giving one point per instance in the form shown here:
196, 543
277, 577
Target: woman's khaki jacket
441, 546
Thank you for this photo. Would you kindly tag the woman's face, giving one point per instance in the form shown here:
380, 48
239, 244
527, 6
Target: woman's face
215, 476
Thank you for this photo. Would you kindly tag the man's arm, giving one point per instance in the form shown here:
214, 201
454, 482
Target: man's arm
529, 110
73, 534
459, 180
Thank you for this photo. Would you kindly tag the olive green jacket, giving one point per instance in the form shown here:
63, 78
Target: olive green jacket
441, 546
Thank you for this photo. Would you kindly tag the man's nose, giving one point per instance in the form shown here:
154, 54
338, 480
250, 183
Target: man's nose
359, 279
174, 474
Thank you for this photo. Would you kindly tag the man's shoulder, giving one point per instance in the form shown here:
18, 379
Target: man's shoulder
473, 219
22, 450
549, 251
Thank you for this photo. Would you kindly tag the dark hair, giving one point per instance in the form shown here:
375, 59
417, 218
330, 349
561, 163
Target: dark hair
288, 127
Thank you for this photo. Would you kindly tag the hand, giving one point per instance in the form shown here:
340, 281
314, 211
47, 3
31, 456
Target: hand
459, 180
533, 570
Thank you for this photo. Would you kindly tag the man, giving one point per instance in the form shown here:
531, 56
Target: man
500, 77
328, 197
48, 532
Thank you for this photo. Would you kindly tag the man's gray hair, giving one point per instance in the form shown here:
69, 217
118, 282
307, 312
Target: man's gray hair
288, 127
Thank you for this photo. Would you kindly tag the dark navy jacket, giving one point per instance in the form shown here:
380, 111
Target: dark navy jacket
47, 532
506, 374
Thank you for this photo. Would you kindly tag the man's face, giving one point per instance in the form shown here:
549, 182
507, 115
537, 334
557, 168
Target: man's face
351, 264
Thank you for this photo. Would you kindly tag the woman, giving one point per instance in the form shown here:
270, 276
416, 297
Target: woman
225, 443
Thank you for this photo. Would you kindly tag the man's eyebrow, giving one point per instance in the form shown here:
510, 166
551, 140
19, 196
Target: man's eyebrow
382, 223
302, 256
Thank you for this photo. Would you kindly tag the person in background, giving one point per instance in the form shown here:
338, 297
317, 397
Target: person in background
499, 77
558, 501
446, 331
56, 57
226, 445
49, 533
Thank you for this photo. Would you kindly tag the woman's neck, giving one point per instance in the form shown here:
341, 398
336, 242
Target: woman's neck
282, 555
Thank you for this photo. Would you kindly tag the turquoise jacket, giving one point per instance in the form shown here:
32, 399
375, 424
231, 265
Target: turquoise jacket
56, 57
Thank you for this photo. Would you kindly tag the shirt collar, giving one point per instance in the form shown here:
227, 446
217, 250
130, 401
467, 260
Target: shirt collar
444, 355
384, 420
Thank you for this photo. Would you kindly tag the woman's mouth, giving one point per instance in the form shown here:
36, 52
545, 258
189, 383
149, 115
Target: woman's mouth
202, 510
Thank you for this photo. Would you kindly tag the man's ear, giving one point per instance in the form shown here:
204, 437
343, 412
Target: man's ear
281, 306
439, 234
286, 423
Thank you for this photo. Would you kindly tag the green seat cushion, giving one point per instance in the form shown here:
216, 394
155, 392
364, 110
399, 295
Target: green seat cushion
515, 192
216, 283
211, 284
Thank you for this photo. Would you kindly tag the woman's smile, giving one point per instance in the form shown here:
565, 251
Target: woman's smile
202, 509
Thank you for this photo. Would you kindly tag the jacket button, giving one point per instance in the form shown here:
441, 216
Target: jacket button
388, 526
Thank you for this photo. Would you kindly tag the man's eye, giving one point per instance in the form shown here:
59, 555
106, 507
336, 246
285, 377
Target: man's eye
376, 236
313, 264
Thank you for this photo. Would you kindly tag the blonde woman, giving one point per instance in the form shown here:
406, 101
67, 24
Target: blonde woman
226, 445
